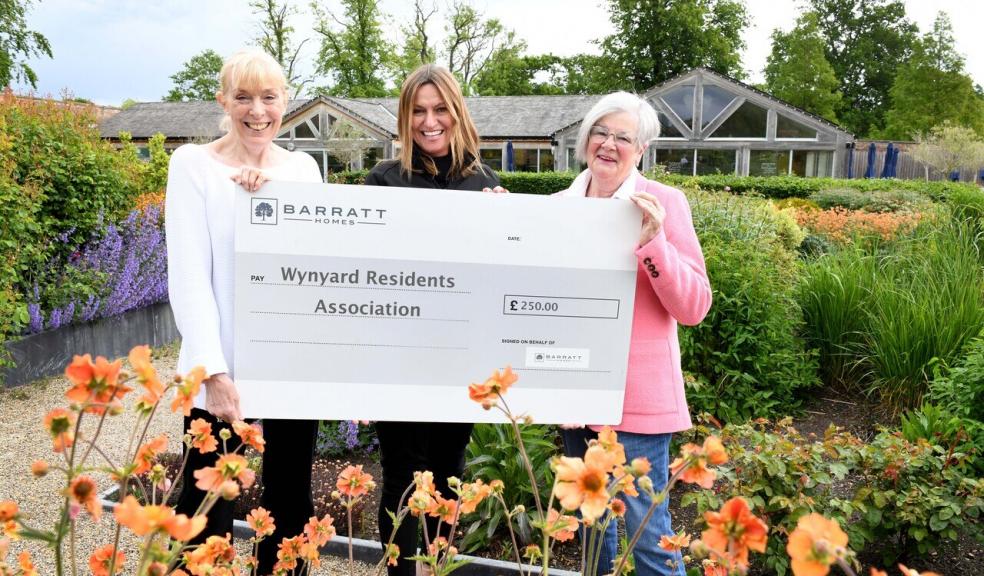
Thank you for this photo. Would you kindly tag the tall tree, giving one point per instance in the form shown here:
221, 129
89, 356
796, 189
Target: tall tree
354, 54
866, 40
947, 148
276, 38
18, 44
472, 42
657, 39
511, 73
417, 47
198, 79
798, 72
931, 88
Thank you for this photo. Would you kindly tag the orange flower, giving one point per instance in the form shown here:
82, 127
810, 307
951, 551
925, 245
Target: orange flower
9, 528
147, 376
250, 434
228, 467
733, 531
583, 484
184, 397
815, 544
319, 532
8, 510
472, 495
674, 543
694, 459
143, 520
424, 481
443, 508
488, 392
95, 384
60, 423
214, 557
148, 453
560, 527
392, 554
261, 522
100, 560
201, 436
911, 572
877, 572
39, 468
353, 482
420, 502
310, 554
83, 490
26, 566
287, 553
608, 440
617, 507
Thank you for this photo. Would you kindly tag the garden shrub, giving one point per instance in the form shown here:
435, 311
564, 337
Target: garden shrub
911, 498
896, 200
344, 437
518, 182
747, 356
492, 455
842, 225
781, 473
959, 389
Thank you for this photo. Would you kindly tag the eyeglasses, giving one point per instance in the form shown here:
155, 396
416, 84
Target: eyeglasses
600, 134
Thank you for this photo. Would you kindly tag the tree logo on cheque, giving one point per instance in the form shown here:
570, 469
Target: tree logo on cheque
264, 211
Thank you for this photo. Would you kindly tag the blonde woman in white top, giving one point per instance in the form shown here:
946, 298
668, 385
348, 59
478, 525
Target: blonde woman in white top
202, 184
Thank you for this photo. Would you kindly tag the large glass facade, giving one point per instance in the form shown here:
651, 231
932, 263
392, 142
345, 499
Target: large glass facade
787, 128
716, 161
546, 160
681, 101
666, 128
812, 164
748, 121
715, 100
768, 162
676, 161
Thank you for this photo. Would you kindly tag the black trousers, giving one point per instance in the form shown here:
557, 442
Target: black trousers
286, 478
406, 447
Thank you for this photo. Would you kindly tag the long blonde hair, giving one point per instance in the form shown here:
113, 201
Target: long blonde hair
465, 160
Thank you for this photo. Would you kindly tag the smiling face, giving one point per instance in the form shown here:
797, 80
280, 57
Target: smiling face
432, 122
611, 159
255, 114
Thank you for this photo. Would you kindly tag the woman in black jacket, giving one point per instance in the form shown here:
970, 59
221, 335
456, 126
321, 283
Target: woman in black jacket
439, 149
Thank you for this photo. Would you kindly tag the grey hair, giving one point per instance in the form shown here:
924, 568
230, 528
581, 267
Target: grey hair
615, 103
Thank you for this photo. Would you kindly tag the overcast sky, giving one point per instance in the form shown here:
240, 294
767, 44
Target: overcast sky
111, 50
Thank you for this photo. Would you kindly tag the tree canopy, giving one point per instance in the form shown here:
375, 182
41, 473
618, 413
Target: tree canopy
276, 38
656, 40
18, 44
931, 88
198, 79
798, 72
354, 54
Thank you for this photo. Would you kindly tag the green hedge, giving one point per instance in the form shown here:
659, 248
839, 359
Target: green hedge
520, 182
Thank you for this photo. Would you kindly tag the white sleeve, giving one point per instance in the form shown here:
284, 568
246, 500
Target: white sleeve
189, 262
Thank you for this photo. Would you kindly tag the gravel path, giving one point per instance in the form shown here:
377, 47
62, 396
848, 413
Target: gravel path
23, 440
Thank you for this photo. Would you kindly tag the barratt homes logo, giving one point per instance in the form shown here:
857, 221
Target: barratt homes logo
334, 215
571, 358
263, 211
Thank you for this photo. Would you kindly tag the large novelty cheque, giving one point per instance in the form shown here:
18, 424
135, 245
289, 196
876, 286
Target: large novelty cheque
360, 302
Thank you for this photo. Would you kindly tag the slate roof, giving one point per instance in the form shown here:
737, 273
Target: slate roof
496, 117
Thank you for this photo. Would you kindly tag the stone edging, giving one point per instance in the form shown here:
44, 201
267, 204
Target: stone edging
370, 551
47, 353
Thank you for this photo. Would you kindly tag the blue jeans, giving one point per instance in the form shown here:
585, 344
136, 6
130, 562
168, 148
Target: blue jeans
650, 559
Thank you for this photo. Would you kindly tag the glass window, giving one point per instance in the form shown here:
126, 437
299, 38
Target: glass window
812, 164
786, 128
319, 157
302, 130
666, 128
716, 161
525, 159
768, 162
492, 157
748, 121
676, 161
546, 160
681, 101
715, 100
316, 122
370, 156
285, 134
336, 163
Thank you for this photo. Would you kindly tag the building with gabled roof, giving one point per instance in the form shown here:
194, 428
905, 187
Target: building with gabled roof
709, 124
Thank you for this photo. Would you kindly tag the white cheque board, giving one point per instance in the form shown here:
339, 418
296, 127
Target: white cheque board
385, 303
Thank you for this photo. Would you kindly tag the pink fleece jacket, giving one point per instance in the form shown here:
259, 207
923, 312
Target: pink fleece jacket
671, 287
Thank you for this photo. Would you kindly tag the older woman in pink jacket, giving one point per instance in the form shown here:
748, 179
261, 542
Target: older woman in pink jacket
671, 288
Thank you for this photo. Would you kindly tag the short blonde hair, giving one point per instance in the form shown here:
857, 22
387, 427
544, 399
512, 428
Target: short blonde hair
615, 103
465, 159
250, 69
